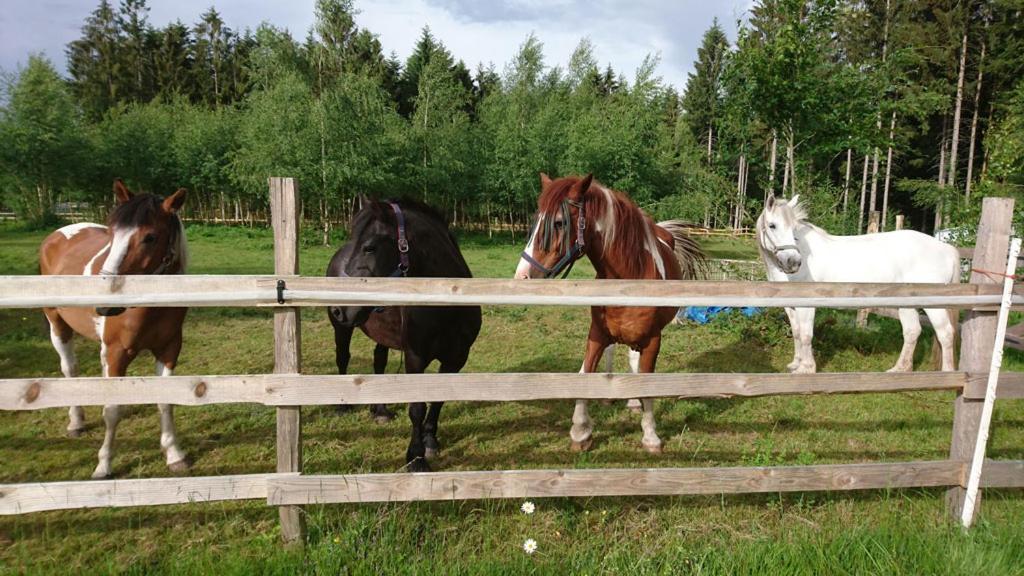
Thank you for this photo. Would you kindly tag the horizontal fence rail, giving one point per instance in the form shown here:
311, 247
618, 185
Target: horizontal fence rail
197, 291
291, 488
313, 390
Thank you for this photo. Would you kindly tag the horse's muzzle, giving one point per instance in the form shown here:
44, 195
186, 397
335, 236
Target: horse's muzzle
110, 311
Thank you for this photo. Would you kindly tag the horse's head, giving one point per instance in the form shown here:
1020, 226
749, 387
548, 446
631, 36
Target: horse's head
776, 232
557, 237
146, 236
376, 248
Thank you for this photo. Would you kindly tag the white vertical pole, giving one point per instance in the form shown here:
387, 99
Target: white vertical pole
974, 480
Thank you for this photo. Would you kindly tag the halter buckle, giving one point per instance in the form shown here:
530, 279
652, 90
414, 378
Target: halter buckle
403, 245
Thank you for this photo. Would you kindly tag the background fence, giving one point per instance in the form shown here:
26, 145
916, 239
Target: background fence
288, 390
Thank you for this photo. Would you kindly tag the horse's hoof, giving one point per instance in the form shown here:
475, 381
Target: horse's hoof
101, 474
582, 446
654, 448
418, 465
76, 433
180, 467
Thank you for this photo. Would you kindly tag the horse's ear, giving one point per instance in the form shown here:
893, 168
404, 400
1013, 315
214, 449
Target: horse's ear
580, 188
770, 202
794, 200
121, 193
363, 201
173, 202
544, 180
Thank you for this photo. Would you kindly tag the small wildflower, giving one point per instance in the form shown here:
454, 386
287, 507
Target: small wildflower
604, 512
527, 507
530, 546
337, 540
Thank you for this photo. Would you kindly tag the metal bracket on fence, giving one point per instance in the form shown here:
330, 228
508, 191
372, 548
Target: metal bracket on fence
280, 291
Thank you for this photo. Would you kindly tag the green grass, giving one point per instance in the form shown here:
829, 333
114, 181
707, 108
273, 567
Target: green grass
877, 532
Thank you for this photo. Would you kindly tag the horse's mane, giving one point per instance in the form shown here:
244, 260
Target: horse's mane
614, 215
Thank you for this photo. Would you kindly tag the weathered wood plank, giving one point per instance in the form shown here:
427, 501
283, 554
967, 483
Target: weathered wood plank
40, 496
39, 291
310, 390
284, 209
978, 331
1002, 474
350, 488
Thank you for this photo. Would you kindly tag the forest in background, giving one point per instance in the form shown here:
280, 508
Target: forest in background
913, 107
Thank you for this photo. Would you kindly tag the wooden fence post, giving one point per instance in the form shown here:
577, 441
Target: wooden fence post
978, 331
899, 222
284, 200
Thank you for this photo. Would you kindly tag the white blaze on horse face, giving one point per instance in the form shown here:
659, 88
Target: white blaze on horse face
118, 250
525, 270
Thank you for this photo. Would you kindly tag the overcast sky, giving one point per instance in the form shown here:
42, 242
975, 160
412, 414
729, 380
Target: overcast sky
487, 31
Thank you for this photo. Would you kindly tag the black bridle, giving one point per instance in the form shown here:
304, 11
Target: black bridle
572, 254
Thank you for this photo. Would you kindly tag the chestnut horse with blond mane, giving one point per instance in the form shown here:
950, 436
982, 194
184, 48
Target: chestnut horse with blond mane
577, 217
143, 235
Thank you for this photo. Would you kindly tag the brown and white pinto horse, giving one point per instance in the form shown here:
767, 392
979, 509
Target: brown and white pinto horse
576, 217
143, 236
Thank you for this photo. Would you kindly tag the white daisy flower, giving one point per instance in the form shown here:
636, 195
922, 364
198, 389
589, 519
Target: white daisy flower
530, 546
528, 507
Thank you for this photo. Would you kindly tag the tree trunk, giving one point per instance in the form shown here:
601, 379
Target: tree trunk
710, 134
846, 184
951, 175
974, 119
863, 193
984, 157
942, 176
771, 164
888, 171
874, 182
739, 193
791, 162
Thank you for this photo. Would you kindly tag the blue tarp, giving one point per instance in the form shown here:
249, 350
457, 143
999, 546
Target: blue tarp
704, 314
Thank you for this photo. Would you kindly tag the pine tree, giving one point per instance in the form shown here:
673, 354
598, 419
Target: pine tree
702, 100
93, 62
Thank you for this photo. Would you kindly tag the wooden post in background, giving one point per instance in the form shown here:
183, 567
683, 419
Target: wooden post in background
284, 214
899, 222
978, 332
862, 314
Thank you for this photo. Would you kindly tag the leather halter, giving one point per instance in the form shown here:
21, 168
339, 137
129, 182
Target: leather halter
772, 248
572, 254
403, 250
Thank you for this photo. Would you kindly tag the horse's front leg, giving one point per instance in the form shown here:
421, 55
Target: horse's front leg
415, 454
805, 320
634, 404
115, 362
177, 461
911, 324
648, 360
794, 325
582, 429
380, 412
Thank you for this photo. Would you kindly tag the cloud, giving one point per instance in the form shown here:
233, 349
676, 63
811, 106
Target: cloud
476, 31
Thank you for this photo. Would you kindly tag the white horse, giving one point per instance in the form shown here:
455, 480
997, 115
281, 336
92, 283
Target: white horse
794, 250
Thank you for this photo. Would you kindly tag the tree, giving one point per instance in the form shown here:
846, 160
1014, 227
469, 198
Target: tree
40, 139
703, 97
93, 62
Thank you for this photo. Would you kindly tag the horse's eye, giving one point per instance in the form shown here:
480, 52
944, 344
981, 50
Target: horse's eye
559, 224
369, 249
149, 238
772, 226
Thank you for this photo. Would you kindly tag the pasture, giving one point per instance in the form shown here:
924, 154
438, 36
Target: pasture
869, 532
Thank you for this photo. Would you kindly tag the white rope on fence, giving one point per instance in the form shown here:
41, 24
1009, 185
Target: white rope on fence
974, 481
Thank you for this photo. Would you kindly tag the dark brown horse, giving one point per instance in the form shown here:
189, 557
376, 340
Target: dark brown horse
143, 235
396, 239
577, 217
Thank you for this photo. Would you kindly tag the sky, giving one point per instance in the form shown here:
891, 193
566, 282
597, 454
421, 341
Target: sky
476, 31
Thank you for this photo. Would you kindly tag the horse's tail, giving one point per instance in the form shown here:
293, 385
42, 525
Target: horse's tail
692, 261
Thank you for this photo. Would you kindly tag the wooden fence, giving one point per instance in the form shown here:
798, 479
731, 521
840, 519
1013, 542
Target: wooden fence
287, 390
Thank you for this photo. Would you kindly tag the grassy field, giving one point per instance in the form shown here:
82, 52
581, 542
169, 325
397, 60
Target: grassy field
895, 532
